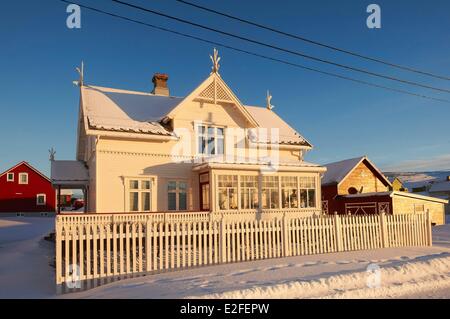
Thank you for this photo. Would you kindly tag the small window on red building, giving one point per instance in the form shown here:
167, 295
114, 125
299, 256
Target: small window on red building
23, 178
10, 177
40, 199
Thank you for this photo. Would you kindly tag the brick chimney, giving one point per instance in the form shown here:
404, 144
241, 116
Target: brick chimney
160, 84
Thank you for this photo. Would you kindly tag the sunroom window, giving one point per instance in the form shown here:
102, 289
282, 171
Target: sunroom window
270, 192
289, 196
227, 190
210, 140
307, 192
139, 194
249, 192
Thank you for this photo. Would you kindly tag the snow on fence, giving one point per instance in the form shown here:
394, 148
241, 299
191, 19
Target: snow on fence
96, 246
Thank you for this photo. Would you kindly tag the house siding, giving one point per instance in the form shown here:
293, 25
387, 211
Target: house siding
408, 205
363, 179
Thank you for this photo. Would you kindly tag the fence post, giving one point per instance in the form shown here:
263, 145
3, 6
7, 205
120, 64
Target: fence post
338, 232
429, 233
222, 242
147, 244
58, 260
285, 237
383, 231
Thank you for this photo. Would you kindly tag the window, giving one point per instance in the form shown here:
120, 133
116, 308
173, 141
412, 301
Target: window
210, 140
307, 192
177, 195
23, 178
41, 199
289, 198
227, 189
139, 195
10, 177
270, 192
249, 192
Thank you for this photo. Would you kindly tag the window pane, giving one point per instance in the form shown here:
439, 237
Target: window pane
182, 186
201, 129
172, 201
134, 184
311, 198
294, 199
182, 205
172, 185
223, 199
145, 198
254, 200
219, 131
134, 201
211, 131
220, 146
303, 198
145, 185
233, 198
202, 145
274, 198
211, 145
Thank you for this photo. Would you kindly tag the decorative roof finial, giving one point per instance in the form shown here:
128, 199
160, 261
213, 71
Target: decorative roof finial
80, 71
52, 154
269, 106
215, 58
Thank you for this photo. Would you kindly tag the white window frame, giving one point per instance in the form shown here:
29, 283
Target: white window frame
37, 199
278, 188
139, 190
248, 191
206, 136
227, 188
20, 178
300, 188
10, 179
177, 192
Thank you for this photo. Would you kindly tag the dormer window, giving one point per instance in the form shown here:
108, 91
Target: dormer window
10, 177
210, 140
23, 178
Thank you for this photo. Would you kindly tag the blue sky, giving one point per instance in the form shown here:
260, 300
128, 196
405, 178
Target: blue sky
39, 103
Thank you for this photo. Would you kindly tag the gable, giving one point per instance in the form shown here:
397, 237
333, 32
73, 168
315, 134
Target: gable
363, 178
213, 91
25, 168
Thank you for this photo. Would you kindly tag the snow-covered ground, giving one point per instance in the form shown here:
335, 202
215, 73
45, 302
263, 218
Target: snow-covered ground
25, 258
415, 272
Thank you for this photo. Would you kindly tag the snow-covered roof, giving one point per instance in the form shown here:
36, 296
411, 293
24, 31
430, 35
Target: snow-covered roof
338, 171
69, 172
268, 119
440, 187
126, 111
142, 112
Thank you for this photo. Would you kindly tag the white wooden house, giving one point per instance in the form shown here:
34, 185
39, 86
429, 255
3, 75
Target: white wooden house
207, 151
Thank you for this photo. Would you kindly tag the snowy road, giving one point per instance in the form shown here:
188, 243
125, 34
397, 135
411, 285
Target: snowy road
415, 272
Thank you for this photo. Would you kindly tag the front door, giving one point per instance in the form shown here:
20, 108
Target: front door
204, 192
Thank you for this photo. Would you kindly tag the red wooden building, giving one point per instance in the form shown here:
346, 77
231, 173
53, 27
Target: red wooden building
357, 186
23, 189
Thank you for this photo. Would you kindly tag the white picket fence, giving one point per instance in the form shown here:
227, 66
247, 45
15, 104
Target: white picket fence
93, 246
